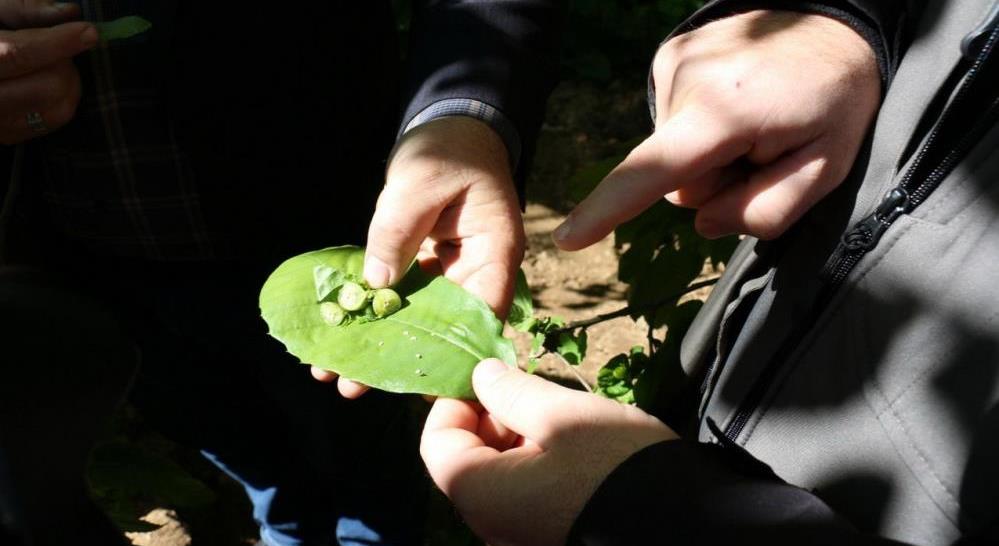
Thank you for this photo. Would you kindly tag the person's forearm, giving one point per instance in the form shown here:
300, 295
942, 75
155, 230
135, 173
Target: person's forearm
683, 492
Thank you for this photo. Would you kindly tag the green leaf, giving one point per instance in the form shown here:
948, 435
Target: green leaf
327, 279
430, 346
122, 28
661, 219
614, 380
662, 377
522, 311
532, 365
678, 317
719, 250
668, 274
572, 348
537, 342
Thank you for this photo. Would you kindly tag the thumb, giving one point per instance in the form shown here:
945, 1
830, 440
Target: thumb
682, 149
526, 404
36, 13
403, 218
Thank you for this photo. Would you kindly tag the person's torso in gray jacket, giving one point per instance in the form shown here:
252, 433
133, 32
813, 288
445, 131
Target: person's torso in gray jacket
873, 378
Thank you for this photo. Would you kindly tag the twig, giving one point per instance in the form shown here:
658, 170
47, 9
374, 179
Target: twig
628, 310
579, 377
572, 368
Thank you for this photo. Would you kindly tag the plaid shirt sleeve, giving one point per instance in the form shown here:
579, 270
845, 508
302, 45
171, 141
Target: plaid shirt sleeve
474, 109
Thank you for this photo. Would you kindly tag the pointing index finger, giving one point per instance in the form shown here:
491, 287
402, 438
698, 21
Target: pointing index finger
682, 149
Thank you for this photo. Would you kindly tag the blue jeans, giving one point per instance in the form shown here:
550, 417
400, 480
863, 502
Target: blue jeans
318, 469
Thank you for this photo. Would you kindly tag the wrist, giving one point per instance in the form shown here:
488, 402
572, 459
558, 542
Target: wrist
450, 146
473, 109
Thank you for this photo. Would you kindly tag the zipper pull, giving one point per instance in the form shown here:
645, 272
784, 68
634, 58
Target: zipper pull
972, 44
867, 232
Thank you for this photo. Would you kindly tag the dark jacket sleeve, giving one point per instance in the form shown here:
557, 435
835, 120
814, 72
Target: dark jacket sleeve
885, 24
502, 53
688, 493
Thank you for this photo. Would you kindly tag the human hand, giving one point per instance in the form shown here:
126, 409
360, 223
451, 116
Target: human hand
521, 467
449, 200
39, 85
758, 117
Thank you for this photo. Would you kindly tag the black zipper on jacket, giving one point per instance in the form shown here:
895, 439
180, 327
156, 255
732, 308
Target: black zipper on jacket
865, 234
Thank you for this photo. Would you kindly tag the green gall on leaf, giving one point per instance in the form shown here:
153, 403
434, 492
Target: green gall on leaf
352, 296
122, 28
614, 379
385, 302
332, 314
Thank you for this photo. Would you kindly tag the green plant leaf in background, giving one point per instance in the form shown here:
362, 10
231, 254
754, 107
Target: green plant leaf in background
522, 310
661, 378
430, 346
613, 380
122, 28
572, 347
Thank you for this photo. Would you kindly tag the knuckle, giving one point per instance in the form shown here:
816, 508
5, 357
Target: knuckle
770, 224
665, 61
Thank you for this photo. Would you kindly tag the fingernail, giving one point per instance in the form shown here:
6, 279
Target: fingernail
489, 369
89, 36
376, 272
673, 197
562, 232
58, 8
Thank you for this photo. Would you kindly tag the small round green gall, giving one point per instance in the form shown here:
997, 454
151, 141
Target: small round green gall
352, 296
386, 302
332, 314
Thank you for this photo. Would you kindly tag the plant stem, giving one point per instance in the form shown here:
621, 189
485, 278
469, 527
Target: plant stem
628, 310
575, 372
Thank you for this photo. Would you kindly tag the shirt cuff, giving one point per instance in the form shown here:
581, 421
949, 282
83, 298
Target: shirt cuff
474, 109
